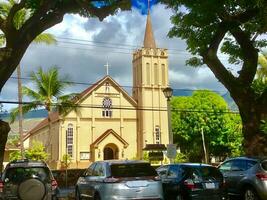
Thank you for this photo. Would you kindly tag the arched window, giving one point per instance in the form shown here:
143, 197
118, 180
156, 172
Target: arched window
156, 74
107, 89
147, 74
69, 140
107, 103
163, 74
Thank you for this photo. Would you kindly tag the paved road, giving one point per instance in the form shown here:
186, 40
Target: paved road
66, 193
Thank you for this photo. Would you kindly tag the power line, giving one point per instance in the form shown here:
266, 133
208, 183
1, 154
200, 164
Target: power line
226, 111
85, 42
124, 86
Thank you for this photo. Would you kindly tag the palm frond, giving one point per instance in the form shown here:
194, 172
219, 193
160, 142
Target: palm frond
13, 115
45, 38
66, 104
31, 93
25, 109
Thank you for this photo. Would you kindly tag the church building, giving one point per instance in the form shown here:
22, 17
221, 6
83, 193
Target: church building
108, 122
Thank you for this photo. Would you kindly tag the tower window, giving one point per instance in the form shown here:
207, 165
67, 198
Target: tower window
69, 140
147, 74
163, 75
157, 135
156, 74
107, 103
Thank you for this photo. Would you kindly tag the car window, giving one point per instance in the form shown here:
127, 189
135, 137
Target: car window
162, 171
19, 174
98, 170
264, 165
132, 170
226, 166
190, 173
239, 165
89, 171
173, 171
209, 173
250, 163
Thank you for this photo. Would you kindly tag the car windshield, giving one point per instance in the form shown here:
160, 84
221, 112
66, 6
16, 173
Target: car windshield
204, 173
264, 165
16, 175
132, 170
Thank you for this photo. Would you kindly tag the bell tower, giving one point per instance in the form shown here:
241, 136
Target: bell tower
150, 77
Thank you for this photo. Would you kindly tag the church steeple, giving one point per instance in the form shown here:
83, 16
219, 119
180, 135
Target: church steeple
149, 41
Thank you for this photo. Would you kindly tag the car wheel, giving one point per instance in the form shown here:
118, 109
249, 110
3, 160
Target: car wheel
250, 194
77, 194
97, 197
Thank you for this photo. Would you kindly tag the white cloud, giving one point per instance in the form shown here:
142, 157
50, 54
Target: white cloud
111, 40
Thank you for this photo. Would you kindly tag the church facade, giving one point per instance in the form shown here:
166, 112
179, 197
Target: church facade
108, 122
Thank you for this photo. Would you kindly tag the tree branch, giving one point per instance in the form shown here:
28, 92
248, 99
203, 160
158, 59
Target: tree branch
104, 11
250, 56
211, 59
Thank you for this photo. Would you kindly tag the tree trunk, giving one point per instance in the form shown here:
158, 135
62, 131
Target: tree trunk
255, 139
4, 129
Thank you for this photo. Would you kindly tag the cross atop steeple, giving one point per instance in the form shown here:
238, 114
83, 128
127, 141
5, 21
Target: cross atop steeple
107, 65
149, 41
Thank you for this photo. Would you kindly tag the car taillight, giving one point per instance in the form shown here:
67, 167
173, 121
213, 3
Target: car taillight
111, 180
262, 177
54, 184
157, 178
1, 186
189, 183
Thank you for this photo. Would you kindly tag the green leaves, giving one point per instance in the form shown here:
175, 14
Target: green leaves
48, 93
208, 111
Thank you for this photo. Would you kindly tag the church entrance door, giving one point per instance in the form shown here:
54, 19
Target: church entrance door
110, 152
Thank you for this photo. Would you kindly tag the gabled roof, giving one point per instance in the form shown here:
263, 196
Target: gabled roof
55, 116
98, 84
105, 135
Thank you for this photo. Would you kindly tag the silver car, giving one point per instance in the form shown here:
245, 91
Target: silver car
120, 180
246, 177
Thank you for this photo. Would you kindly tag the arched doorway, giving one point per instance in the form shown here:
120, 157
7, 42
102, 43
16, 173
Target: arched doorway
110, 152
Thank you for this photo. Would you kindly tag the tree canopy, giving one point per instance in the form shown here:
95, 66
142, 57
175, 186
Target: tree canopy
42, 16
208, 112
236, 29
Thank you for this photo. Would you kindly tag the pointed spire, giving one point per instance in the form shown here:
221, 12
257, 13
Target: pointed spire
149, 41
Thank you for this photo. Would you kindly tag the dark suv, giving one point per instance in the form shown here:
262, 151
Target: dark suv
246, 177
192, 181
27, 180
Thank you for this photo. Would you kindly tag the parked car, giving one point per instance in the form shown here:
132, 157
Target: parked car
110, 180
246, 177
27, 180
189, 181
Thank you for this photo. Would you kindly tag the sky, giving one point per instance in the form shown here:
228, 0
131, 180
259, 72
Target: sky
85, 45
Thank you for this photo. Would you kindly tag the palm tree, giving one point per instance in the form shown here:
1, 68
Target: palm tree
46, 38
48, 94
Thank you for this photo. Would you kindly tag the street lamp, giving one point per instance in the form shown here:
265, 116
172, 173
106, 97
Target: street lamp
168, 94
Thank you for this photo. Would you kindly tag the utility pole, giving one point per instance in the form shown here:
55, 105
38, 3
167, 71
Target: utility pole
204, 146
20, 111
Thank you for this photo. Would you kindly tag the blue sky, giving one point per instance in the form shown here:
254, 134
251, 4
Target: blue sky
142, 5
